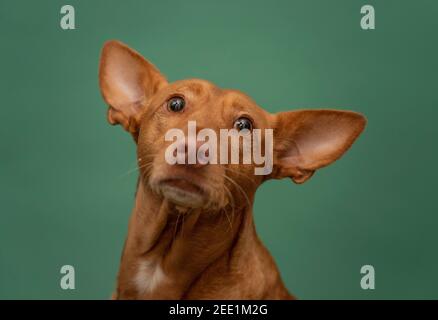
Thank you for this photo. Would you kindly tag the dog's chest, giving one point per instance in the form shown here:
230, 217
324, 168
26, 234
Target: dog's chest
149, 276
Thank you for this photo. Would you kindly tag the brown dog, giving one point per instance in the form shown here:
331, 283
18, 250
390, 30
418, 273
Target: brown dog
191, 234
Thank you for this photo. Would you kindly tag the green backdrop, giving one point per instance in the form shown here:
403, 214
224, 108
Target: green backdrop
65, 192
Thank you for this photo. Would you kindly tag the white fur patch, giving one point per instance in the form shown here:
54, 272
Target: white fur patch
149, 276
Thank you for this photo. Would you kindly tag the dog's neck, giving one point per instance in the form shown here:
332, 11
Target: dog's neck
169, 250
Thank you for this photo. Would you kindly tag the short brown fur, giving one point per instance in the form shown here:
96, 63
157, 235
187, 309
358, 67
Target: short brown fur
212, 251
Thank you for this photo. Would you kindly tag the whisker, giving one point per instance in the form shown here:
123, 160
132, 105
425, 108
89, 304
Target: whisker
135, 169
241, 174
239, 187
176, 225
146, 174
140, 165
229, 195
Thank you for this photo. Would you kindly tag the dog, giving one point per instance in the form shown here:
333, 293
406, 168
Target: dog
191, 234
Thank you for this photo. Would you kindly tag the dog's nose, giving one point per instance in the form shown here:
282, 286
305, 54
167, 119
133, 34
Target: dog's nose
192, 153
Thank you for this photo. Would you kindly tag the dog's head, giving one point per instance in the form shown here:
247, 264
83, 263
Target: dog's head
173, 122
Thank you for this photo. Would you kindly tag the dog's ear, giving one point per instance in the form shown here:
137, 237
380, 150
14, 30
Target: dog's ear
127, 81
306, 140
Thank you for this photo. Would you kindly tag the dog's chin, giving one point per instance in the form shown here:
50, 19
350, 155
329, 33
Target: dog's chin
182, 193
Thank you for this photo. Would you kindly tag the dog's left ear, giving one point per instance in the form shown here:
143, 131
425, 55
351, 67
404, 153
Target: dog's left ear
306, 140
127, 81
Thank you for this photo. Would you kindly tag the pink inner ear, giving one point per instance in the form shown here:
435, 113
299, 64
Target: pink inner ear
323, 142
123, 77
126, 78
321, 137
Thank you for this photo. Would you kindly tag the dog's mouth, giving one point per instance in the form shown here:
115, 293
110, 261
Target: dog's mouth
183, 192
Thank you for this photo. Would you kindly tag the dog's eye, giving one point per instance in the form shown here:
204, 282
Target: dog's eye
243, 123
176, 104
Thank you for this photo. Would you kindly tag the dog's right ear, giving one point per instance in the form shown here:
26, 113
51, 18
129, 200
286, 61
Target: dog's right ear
127, 81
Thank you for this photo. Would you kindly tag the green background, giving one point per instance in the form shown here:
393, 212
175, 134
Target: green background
66, 193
